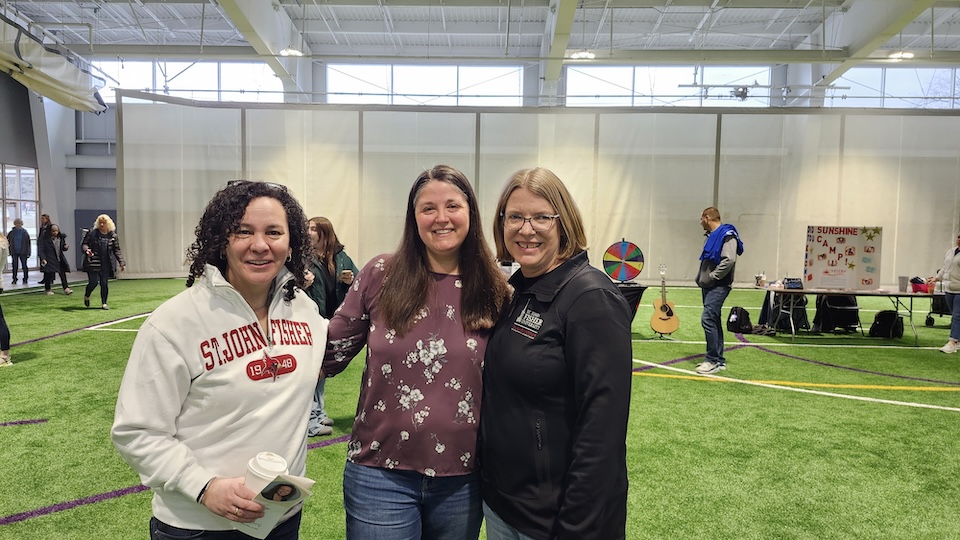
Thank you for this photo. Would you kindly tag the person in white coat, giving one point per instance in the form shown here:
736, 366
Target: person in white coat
949, 278
225, 369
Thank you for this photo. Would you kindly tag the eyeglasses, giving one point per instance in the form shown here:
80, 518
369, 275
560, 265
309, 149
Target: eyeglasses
274, 185
541, 223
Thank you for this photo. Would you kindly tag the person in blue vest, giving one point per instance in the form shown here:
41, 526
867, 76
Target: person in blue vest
717, 263
20, 250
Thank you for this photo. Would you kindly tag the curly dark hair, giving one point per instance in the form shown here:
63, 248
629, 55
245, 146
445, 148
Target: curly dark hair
222, 216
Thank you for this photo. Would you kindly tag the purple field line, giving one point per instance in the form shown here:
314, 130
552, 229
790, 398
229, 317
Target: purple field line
684, 359
23, 422
59, 507
65, 332
328, 442
857, 370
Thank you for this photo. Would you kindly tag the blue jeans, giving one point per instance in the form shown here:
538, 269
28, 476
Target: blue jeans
711, 320
388, 504
288, 530
953, 302
498, 529
316, 410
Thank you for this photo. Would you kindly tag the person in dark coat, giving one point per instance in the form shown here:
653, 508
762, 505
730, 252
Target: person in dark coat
51, 247
20, 250
556, 378
100, 243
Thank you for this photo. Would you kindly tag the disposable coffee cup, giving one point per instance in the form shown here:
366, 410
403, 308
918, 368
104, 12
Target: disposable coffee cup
262, 469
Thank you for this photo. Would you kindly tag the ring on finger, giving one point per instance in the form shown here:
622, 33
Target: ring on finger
237, 511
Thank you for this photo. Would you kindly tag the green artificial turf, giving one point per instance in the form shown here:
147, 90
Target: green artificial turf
708, 457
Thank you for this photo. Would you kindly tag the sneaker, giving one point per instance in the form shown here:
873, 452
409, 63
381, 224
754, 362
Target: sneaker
86, 301
5, 360
319, 431
327, 421
949, 348
105, 306
67, 291
707, 368
722, 366
49, 293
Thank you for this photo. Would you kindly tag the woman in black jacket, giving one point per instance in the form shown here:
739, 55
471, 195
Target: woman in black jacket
98, 245
556, 378
51, 247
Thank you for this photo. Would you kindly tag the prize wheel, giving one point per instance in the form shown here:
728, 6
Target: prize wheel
623, 261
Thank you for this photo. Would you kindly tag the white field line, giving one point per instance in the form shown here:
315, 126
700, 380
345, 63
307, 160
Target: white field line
732, 344
802, 390
105, 326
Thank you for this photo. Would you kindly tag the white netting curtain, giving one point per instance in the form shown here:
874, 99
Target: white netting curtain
640, 175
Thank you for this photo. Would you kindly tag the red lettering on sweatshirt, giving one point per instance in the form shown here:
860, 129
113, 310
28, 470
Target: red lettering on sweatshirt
249, 339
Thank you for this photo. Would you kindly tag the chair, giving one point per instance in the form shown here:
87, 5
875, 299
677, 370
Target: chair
837, 312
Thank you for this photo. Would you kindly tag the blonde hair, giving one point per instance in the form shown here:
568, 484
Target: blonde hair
110, 224
545, 184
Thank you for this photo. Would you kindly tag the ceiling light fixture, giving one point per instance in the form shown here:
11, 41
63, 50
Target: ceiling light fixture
290, 51
583, 55
900, 55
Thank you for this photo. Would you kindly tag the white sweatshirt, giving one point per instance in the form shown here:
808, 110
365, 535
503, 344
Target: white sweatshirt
198, 400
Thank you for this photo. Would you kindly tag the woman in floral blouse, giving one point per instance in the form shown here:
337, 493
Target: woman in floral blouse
424, 313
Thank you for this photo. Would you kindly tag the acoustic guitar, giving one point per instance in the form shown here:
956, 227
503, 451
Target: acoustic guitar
664, 319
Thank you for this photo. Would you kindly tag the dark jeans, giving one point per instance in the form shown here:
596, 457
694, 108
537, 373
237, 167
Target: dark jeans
100, 277
17, 261
50, 277
713, 299
288, 530
4, 333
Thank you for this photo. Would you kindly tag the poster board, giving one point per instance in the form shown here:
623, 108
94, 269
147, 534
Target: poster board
840, 257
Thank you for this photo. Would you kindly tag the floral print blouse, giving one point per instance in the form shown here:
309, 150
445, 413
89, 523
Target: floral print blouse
420, 394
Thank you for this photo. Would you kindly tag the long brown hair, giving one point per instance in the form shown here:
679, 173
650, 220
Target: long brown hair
329, 244
407, 280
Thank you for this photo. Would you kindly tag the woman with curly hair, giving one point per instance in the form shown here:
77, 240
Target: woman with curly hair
100, 243
424, 313
225, 369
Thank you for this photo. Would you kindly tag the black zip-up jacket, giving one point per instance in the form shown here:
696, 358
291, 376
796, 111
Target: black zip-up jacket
556, 397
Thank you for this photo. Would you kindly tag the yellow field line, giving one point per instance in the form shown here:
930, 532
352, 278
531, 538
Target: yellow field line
813, 385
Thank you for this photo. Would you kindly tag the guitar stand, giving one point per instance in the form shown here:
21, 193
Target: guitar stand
658, 335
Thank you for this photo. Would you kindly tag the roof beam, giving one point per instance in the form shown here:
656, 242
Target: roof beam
868, 25
556, 36
269, 30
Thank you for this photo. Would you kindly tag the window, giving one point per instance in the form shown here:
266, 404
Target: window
646, 86
225, 81
918, 88
20, 201
500, 86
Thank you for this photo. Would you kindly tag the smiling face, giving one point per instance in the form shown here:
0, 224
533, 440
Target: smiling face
258, 248
103, 225
443, 220
54, 231
536, 252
